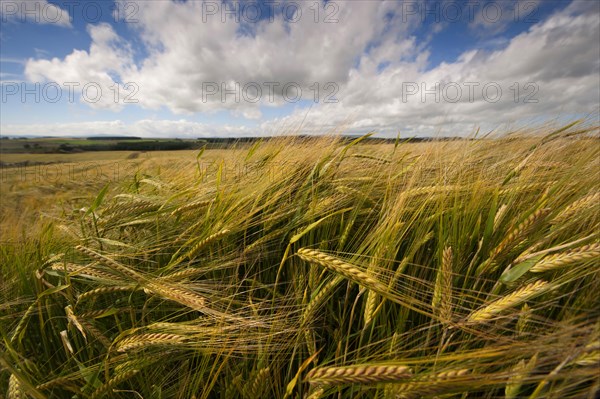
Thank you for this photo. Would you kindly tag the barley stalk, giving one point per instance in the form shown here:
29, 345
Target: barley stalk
499, 216
182, 274
74, 320
23, 322
429, 385
89, 270
191, 206
345, 269
198, 246
556, 261
14, 388
110, 263
152, 339
362, 374
54, 382
517, 376
370, 306
256, 388
316, 301
521, 230
513, 299
316, 393
96, 333
103, 290
118, 379
586, 202
124, 209
442, 295
524, 318
179, 295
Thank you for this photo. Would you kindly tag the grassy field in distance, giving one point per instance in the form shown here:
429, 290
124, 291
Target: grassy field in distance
297, 268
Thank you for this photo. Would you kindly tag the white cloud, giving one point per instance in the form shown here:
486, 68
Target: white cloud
181, 128
371, 54
493, 17
91, 71
559, 58
37, 11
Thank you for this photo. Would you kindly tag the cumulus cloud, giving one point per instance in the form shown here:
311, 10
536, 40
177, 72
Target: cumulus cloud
377, 65
37, 11
92, 72
552, 69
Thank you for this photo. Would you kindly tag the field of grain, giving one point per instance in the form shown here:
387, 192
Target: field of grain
306, 268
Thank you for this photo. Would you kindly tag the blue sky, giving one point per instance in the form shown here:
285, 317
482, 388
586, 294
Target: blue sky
164, 55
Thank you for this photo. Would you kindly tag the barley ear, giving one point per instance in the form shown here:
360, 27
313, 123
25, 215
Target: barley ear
442, 294
14, 388
513, 299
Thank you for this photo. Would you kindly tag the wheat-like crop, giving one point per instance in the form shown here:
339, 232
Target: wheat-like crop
557, 261
182, 283
360, 374
199, 245
113, 382
586, 202
256, 387
317, 300
192, 206
104, 290
518, 232
144, 340
511, 300
110, 263
14, 388
422, 386
176, 294
345, 269
442, 295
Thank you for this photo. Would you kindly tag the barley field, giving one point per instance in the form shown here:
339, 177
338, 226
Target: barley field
307, 268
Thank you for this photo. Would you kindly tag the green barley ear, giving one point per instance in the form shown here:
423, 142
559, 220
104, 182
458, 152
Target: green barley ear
514, 238
518, 374
256, 388
524, 317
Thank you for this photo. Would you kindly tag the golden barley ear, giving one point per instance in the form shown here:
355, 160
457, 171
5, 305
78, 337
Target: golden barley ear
140, 341
516, 298
359, 374
557, 261
426, 386
347, 270
442, 294
586, 202
15, 391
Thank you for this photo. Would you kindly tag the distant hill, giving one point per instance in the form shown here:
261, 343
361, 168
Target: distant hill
113, 138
